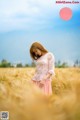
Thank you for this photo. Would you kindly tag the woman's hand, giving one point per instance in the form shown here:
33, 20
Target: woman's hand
47, 76
42, 81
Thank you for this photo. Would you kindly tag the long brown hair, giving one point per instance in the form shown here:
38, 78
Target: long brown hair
37, 45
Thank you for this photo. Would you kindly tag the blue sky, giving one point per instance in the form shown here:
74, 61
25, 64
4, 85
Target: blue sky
23, 22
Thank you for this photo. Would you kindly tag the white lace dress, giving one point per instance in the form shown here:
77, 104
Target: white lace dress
44, 65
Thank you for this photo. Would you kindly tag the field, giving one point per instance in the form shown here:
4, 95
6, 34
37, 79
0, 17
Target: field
24, 101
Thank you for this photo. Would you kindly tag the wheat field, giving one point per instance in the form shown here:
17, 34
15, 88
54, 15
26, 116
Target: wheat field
25, 101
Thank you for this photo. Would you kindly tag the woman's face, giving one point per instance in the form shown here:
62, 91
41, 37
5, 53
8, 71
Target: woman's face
37, 52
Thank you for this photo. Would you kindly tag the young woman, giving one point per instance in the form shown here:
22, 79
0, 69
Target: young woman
44, 67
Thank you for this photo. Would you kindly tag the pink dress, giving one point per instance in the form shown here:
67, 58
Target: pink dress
44, 65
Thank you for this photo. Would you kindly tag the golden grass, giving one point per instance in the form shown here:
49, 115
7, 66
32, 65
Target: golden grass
24, 101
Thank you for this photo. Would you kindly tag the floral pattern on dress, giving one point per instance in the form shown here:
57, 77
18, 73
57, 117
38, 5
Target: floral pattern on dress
44, 65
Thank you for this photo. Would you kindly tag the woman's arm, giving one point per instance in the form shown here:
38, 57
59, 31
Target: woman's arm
51, 64
47, 76
51, 67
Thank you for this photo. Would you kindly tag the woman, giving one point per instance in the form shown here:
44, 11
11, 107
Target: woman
44, 67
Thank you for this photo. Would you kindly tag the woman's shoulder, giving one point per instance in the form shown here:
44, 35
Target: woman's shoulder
50, 54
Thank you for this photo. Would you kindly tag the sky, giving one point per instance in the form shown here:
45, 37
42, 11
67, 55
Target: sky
23, 22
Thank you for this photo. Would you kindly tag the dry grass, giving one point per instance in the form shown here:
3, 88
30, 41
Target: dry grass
24, 101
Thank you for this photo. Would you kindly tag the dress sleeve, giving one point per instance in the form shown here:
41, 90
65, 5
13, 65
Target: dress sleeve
51, 64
